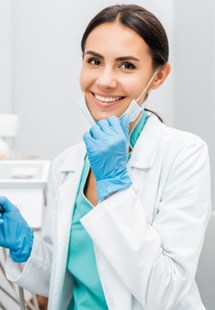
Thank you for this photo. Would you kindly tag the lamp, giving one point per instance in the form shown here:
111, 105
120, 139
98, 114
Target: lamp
8, 129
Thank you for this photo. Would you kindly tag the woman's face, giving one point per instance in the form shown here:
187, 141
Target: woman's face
116, 68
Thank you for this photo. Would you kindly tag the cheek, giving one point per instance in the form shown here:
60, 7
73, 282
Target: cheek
133, 85
82, 79
86, 79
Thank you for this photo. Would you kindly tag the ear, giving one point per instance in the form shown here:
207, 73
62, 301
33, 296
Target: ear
161, 76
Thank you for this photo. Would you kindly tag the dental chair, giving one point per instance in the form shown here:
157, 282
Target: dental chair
12, 293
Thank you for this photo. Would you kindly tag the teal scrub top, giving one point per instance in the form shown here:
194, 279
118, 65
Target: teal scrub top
81, 262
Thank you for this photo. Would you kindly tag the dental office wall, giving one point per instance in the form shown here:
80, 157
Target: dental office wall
194, 61
5, 56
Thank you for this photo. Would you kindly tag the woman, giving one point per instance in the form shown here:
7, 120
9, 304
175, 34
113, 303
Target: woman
128, 208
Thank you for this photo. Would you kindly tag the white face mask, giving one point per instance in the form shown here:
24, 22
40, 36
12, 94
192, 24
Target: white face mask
133, 109
84, 109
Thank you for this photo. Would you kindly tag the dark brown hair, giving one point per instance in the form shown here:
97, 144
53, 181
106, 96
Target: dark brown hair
142, 22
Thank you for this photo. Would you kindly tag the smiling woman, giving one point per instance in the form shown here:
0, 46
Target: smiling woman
128, 206
112, 77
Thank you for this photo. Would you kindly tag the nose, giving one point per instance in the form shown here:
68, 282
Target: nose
106, 79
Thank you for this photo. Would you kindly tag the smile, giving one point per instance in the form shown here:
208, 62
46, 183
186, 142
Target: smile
107, 99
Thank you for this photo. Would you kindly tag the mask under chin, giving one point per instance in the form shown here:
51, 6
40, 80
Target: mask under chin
85, 111
133, 111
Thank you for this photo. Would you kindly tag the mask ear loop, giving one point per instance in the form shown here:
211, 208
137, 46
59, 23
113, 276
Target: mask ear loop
142, 105
147, 86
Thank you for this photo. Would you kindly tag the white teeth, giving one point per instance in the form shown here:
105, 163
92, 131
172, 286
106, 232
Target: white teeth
106, 99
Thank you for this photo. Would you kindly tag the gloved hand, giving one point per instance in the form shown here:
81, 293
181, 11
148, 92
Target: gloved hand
107, 148
15, 234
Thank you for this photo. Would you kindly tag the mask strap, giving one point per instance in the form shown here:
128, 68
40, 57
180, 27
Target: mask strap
145, 89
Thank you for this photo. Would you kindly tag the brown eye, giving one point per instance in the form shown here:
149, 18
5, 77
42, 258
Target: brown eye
94, 61
127, 66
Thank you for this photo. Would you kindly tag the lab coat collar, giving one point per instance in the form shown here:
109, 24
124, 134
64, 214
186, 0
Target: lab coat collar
147, 145
73, 157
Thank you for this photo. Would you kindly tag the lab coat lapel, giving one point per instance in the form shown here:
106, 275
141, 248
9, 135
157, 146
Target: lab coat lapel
147, 145
70, 173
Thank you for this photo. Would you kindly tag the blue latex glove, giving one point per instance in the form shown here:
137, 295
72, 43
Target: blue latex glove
15, 234
107, 148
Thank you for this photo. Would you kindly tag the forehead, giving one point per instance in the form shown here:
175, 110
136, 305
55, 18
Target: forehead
117, 40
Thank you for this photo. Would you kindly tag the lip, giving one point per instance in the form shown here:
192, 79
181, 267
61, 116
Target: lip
106, 104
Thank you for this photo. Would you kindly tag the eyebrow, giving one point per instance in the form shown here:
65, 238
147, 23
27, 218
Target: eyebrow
122, 58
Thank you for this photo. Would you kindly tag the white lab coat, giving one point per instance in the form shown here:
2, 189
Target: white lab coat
147, 238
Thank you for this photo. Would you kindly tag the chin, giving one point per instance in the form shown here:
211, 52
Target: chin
102, 115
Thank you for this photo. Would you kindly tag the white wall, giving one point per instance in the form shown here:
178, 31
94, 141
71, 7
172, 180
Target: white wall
46, 64
5, 56
194, 107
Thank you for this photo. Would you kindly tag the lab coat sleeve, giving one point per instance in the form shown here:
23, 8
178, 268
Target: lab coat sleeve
157, 262
34, 275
